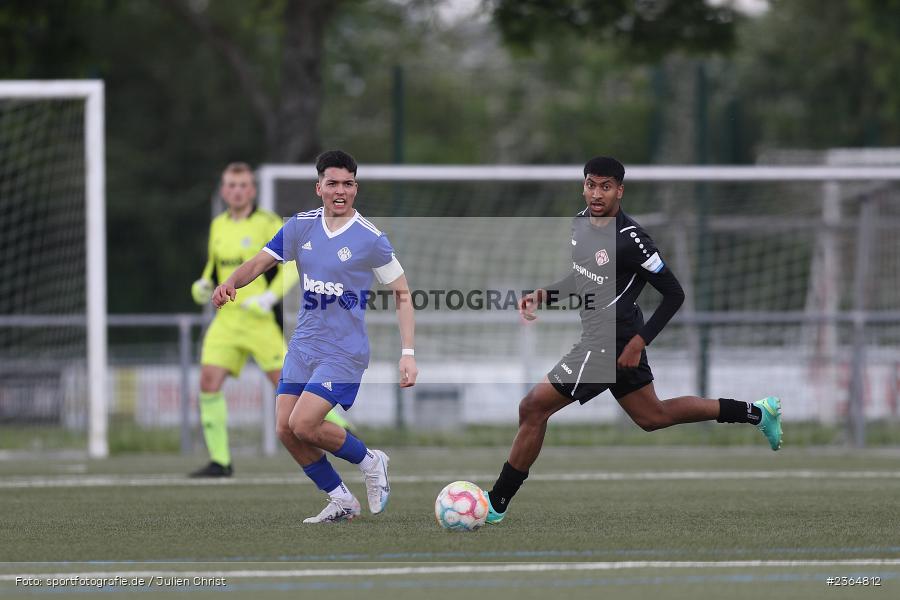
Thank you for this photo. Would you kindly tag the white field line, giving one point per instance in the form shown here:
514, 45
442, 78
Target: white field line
88, 481
459, 569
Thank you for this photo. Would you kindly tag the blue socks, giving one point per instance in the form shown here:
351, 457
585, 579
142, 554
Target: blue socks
323, 474
353, 450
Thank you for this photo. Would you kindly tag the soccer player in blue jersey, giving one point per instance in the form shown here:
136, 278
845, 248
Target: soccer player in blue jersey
244, 329
338, 253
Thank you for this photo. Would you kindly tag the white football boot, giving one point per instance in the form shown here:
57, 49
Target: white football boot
377, 487
337, 510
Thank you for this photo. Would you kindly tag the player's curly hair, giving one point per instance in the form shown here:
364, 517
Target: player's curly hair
335, 158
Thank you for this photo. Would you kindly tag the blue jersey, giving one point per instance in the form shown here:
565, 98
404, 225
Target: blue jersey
336, 270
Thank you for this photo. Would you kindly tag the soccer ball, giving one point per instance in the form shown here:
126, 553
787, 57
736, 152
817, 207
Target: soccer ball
461, 506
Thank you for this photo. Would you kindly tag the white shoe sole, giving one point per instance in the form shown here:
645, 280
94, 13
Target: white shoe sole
341, 520
354, 511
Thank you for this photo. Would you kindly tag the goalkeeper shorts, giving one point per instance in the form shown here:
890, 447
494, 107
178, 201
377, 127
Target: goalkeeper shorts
230, 341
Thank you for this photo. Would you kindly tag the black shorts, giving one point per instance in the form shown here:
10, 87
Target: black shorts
578, 375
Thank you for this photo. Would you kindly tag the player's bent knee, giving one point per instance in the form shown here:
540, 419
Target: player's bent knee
526, 410
308, 433
303, 431
208, 385
284, 433
531, 411
210, 382
653, 422
648, 425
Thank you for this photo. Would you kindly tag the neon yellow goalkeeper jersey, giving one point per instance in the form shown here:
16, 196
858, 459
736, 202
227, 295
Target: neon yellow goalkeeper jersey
231, 243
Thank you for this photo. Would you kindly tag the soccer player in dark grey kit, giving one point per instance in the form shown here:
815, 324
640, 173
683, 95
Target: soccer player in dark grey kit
637, 262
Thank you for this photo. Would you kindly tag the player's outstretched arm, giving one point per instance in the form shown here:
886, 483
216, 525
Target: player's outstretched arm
407, 321
244, 274
285, 278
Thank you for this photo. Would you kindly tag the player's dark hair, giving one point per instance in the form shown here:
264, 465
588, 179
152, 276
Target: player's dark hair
335, 158
605, 166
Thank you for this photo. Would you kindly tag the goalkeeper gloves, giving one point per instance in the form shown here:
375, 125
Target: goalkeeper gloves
201, 291
260, 305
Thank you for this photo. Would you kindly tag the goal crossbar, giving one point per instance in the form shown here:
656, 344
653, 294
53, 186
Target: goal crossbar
268, 174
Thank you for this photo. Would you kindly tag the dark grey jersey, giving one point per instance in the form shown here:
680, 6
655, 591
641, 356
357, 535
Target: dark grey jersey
611, 264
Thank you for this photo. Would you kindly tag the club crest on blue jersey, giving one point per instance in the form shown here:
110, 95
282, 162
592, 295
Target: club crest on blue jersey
335, 282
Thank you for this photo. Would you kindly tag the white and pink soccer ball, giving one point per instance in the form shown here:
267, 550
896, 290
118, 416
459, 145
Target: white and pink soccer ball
461, 506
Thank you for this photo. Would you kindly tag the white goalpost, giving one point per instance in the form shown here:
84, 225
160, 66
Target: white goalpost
771, 258
40, 124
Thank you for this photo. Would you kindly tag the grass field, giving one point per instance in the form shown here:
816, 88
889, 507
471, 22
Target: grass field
623, 522
126, 438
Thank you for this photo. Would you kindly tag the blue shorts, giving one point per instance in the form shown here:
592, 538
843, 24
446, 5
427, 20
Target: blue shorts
337, 382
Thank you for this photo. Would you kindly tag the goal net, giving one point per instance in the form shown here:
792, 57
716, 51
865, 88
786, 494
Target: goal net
52, 276
791, 276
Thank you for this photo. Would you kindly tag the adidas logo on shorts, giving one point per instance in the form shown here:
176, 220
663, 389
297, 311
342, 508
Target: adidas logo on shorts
327, 386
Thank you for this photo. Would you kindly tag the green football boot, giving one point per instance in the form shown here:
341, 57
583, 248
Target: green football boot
493, 517
770, 424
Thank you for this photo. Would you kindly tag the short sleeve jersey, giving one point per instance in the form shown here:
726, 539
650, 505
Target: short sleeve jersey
336, 269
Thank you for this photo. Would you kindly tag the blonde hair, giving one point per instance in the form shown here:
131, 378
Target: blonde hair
238, 168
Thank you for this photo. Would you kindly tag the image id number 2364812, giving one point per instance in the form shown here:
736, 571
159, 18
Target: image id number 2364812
853, 581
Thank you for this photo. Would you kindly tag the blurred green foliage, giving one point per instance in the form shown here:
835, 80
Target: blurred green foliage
821, 74
646, 30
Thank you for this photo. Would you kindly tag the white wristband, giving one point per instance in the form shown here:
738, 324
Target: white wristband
407, 352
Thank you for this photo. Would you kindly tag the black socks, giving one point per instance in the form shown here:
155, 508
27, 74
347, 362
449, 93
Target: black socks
507, 485
732, 411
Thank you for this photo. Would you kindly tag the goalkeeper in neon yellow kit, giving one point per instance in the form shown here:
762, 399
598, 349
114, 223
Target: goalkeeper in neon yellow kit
238, 330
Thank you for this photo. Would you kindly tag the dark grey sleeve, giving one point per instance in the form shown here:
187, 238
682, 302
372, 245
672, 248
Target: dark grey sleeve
642, 257
562, 289
666, 284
